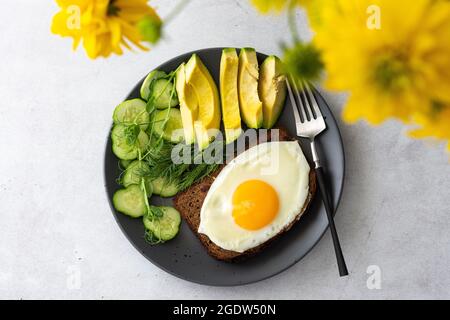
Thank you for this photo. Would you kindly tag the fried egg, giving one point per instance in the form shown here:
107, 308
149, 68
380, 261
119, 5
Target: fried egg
256, 196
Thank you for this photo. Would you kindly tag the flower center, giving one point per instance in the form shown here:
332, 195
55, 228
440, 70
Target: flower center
303, 61
392, 73
436, 107
113, 9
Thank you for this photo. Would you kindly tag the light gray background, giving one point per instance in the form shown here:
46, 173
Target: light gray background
55, 113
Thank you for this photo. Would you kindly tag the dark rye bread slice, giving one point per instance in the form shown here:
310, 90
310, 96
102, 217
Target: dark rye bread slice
190, 201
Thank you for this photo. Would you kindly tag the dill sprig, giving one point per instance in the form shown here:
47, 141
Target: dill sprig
161, 164
131, 133
182, 174
196, 174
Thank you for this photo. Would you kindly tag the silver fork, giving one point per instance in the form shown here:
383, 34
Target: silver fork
309, 123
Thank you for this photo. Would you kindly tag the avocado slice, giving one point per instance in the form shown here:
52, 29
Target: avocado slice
250, 104
207, 124
272, 90
229, 65
188, 104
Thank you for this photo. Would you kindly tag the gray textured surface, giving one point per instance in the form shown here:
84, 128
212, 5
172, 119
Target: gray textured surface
55, 220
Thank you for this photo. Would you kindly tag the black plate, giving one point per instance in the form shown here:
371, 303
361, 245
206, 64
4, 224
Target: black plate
186, 258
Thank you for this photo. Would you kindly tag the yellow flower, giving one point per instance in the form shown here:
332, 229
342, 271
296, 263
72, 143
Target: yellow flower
104, 26
266, 6
395, 69
393, 57
434, 124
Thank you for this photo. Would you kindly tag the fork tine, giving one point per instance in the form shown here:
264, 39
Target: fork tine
299, 100
297, 118
306, 104
306, 110
312, 99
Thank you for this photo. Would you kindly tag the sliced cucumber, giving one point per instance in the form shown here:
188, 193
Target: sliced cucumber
172, 129
134, 174
120, 146
165, 227
132, 111
130, 201
124, 154
163, 188
143, 141
161, 91
124, 163
145, 88
136, 170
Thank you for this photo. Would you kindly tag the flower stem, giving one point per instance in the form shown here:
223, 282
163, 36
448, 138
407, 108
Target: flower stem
291, 21
175, 11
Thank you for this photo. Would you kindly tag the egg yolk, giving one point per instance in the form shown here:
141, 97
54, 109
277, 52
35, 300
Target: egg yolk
255, 204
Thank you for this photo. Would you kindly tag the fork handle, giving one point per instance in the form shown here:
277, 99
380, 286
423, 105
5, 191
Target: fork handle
326, 201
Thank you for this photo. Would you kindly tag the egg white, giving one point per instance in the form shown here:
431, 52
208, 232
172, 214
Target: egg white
280, 164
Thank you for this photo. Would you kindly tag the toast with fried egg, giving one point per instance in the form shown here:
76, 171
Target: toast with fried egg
190, 201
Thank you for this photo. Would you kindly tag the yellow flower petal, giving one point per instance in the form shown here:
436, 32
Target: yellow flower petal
267, 6
102, 31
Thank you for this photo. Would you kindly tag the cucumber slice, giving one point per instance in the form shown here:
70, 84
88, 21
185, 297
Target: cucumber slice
170, 130
163, 188
134, 173
165, 227
123, 153
132, 111
124, 164
130, 201
136, 170
161, 92
145, 88
143, 141
120, 145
